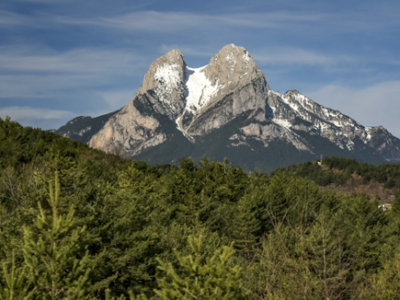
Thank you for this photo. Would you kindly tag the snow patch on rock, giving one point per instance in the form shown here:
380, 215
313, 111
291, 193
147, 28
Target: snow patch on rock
168, 79
199, 89
283, 122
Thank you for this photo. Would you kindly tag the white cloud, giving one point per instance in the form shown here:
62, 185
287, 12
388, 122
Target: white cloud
374, 105
86, 60
291, 56
24, 112
11, 19
198, 50
314, 20
117, 99
182, 21
187, 22
41, 73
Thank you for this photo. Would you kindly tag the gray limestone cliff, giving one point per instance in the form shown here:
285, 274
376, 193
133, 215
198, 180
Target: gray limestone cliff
135, 127
197, 100
240, 86
227, 106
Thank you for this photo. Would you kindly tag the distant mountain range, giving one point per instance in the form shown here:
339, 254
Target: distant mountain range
227, 109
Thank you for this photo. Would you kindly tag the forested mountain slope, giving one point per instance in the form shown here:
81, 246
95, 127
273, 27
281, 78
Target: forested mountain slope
349, 176
113, 225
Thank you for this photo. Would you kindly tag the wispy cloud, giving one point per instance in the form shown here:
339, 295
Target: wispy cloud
198, 50
117, 98
39, 72
86, 60
20, 113
182, 21
8, 18
293, 56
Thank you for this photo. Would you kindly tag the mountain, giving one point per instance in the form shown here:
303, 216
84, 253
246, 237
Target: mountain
227, 109
83, 128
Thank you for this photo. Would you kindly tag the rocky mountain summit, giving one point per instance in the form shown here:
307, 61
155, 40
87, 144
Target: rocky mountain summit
227, 109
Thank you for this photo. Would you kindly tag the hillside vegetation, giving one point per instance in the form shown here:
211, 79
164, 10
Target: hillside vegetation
76, 223
349, 176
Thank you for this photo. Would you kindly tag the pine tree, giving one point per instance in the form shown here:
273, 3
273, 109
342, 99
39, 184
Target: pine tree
17, 285
198, 277
51, 253
386, 284
246, 229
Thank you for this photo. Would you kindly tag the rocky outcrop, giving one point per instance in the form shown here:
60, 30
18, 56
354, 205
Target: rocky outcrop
268, 133
166, 78
384, 142
136, 127
128, 132
198, 103
198, 100
232, 69
83, 128
240, 86
294, 111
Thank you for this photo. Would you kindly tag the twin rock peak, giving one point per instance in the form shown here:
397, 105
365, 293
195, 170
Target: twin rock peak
226, 109
188, 97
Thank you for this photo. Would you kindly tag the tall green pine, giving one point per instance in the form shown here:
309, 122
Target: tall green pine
51, 252
246, 226
199, 277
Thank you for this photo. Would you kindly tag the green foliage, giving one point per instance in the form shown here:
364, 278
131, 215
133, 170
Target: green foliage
109, 223
389, 174
197, 277
51, 250
386, 284
247, 226
16, 286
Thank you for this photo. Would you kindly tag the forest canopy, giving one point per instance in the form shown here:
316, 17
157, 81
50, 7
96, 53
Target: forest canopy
77, 223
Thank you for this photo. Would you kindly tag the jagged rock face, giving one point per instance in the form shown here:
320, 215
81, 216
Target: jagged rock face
232, 69
296, 112
268, 133
83, 128
230, 99
129, 132
166, 78
136, 128
233, 84
386, 144
197, 100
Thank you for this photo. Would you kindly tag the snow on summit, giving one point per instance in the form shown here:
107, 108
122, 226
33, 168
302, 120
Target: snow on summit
199, 89
169, 79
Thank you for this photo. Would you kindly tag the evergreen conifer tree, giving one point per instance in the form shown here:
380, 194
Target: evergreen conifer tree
16, 282
51, 253
198, 277
246, 229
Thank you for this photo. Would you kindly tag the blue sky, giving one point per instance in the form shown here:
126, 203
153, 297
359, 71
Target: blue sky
64, 58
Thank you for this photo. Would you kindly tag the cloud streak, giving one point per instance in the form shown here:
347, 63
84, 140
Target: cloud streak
24, 112
295, 56
175, 21
181, 21
84, 60
41, 73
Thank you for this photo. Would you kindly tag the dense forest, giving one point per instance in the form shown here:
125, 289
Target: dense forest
388, 174
76, 223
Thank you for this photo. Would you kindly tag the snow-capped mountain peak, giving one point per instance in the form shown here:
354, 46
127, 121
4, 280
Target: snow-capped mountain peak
228, 105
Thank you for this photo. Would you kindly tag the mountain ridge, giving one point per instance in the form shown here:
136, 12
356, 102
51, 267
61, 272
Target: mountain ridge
198, 102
